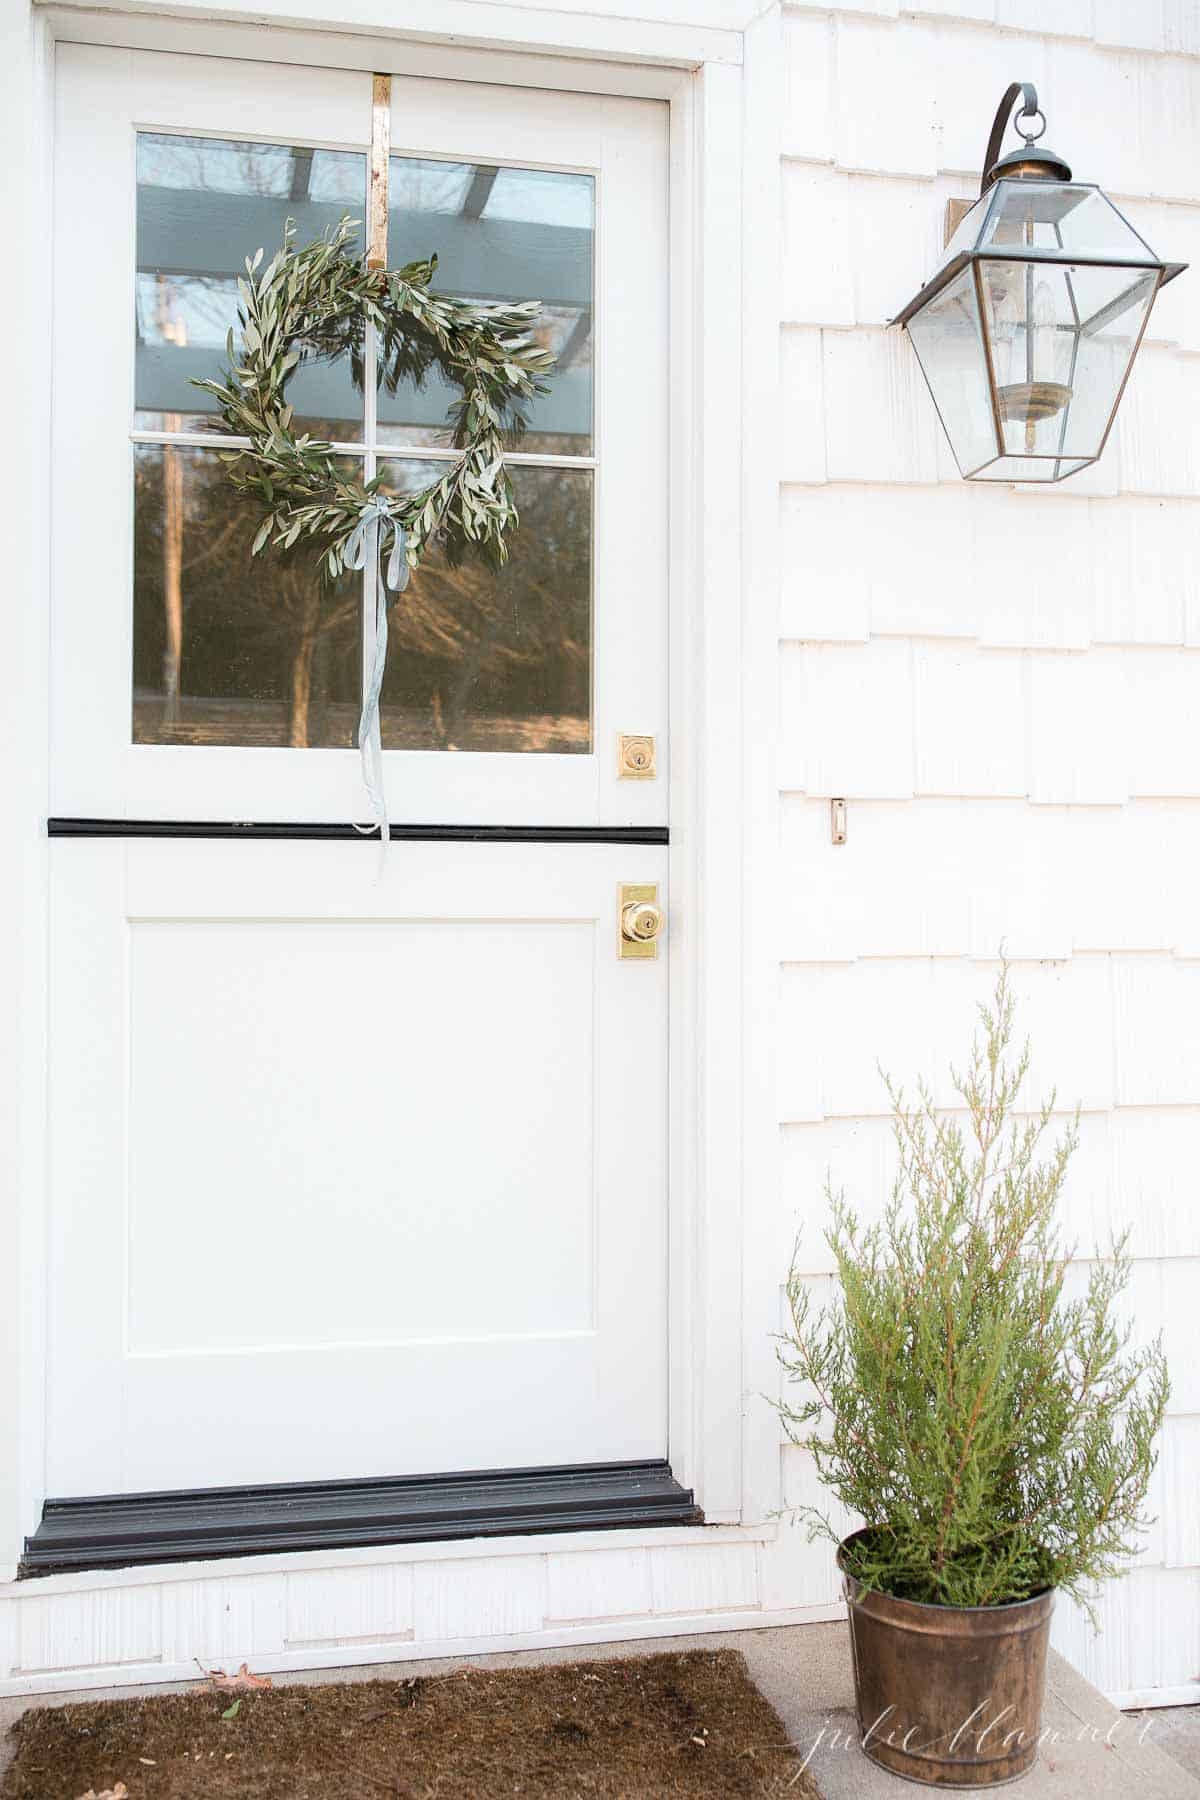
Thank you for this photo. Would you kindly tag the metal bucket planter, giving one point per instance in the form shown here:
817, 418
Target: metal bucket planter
948, 1695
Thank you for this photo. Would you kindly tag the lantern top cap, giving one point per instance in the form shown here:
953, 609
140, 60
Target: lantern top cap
1027, 163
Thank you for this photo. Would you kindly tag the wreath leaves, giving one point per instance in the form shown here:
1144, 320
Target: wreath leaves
320, 297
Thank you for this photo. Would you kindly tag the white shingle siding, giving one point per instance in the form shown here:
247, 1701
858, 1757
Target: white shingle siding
1164, 26
1004, 684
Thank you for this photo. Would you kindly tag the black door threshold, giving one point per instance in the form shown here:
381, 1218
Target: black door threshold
125, 1530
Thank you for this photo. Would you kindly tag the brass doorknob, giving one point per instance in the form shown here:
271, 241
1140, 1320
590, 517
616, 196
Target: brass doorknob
641, 921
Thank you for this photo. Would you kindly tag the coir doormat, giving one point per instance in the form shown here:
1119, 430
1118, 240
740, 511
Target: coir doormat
690, 1725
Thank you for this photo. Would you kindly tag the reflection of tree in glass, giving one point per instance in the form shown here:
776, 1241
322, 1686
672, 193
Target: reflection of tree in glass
269, 653
484, 659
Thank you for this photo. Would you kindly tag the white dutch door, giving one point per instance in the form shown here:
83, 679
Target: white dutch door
353, 1174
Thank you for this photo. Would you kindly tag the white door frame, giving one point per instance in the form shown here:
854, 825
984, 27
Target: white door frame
724, 330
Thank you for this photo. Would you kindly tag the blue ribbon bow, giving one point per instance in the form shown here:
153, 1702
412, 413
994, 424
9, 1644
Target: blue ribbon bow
366, 544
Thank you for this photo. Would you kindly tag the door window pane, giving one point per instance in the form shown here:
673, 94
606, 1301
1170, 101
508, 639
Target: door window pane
500, 234
498, 660
203, 206
229, 650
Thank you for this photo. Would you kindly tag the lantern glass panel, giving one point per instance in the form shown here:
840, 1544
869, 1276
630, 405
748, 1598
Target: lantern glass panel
1061, 338
966, 232
1058, 216
948, 339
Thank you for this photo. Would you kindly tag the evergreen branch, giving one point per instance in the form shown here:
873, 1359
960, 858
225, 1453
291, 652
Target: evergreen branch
997, 1438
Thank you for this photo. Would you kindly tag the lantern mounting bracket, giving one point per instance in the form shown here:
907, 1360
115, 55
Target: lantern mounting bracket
1027, 162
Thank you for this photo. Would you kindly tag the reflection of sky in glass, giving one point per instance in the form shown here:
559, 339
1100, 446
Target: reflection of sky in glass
504, 233
417, 186
535, 196
204, 205
542, 198
271, 171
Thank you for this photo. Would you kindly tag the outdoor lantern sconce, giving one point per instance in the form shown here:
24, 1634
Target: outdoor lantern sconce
1027, 331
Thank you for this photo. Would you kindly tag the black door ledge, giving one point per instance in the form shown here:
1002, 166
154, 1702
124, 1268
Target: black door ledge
115, 1531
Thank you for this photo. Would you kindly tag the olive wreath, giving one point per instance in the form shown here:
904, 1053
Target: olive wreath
316, 300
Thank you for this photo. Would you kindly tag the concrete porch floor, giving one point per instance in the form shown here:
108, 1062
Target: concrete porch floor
804, 1670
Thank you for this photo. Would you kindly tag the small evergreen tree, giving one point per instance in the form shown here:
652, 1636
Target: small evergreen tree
997, 1436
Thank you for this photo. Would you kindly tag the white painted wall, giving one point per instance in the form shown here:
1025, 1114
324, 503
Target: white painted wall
998, 681
1004, 684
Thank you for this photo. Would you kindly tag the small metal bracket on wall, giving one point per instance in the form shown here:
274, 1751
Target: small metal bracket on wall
837, 821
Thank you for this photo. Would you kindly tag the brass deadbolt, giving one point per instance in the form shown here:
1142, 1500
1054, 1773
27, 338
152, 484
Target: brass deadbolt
636, 760
640, 920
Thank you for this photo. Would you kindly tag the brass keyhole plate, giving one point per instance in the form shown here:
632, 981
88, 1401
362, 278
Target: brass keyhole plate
636, 760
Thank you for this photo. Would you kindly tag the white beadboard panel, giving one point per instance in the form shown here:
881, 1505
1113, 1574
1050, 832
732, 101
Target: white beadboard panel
1157, 1050
496, 1598
857, 247
8, 1638
939, 562
796, 1572
1125, 120
1150, 1148
337, 1606
1164, 745
223, 1622
1130, 24
947, 878
1143, 558
893, 132
969, 713
696, 1581
878, 9
1151, 1544
1179, 1525
896, 231
1123, 1176
1149, 1629
1159, 450
880, 424
115, 1630
1078, 724
1041, 598
1162, 1297
850, 535
1067, 18
1172, 229
1181, 26
972, 66
846, 721
801, 430
817, 287
807, 125
598, 1584
817, 1568
978, 11
825, 578
839, 1023
899, 886
856, 1157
